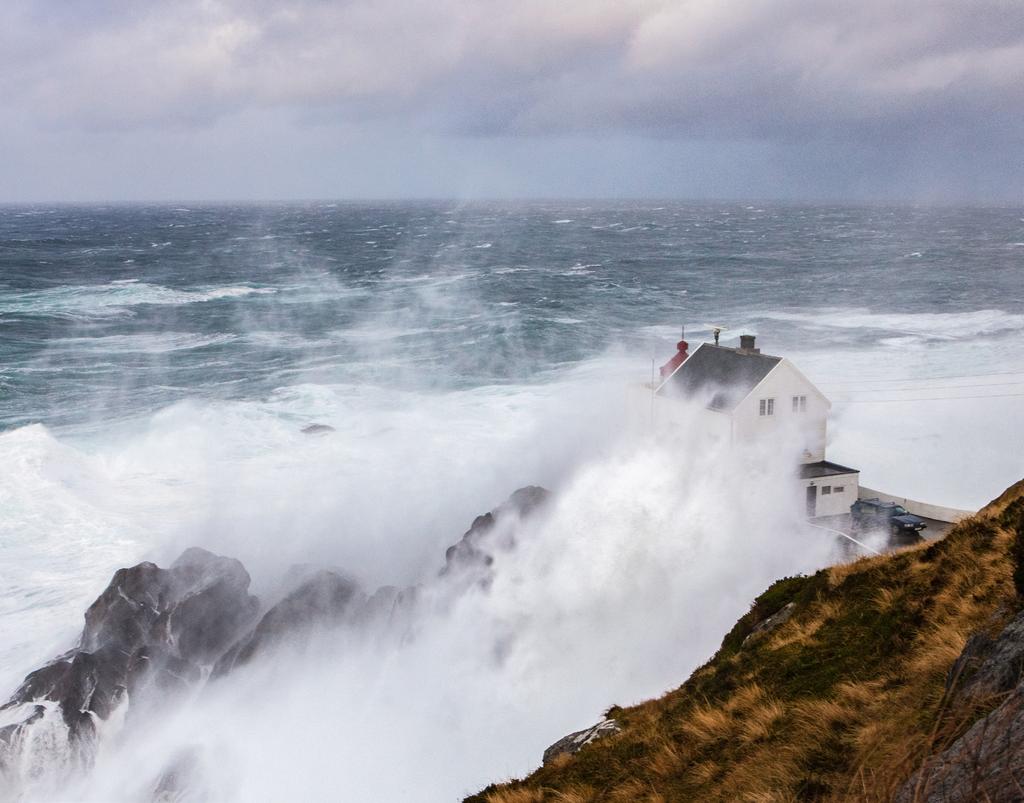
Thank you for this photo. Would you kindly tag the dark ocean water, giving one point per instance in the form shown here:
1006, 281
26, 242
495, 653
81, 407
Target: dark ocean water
120, 310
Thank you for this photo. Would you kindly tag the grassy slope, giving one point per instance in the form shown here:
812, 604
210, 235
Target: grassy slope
842, 702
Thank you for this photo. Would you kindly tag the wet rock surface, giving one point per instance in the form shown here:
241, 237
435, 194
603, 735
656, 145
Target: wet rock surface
150, 628
155, 633
323, 599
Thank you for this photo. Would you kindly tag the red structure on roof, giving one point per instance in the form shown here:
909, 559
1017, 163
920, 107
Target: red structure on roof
678, 359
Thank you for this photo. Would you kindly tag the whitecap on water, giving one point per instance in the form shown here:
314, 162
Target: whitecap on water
931, 325
115, 298
145, 343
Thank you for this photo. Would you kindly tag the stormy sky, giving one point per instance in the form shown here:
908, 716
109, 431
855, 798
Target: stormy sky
918, 100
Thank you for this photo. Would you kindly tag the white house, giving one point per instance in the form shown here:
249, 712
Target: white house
748, 394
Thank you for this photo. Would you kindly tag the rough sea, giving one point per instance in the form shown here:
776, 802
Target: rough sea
158, 363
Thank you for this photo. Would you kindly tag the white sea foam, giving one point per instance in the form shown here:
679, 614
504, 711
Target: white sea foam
617, 575
928, 325
114, 299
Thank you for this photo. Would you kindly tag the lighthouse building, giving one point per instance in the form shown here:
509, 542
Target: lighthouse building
746, 395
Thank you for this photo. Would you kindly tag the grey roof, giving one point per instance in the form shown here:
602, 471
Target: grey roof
722, 375
823, 468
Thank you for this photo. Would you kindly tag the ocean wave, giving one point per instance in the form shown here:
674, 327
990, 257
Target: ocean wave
114, 299
146, 343
928, 325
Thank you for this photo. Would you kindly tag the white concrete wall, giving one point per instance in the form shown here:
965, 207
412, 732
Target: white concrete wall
782, 384
928, 511
832, 503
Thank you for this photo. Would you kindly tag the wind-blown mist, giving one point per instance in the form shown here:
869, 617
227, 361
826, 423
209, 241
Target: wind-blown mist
162, 363
624, 583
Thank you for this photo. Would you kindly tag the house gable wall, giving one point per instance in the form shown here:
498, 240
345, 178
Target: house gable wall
782, 384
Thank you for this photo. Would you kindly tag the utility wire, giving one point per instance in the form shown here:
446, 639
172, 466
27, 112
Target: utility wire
838, 385
932, 387
930, 398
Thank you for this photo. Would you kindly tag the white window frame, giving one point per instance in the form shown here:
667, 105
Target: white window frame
766, 407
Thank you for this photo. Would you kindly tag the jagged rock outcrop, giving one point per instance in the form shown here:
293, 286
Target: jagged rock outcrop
154, 633
989, 667
150, 628
987, 762
476, 547
324, 599
574, 742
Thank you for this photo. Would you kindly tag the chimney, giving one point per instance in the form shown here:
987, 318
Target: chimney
747, 345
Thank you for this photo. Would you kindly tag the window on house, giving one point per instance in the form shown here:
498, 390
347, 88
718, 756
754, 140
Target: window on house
800, 404
838, 489
767, 407
826, 490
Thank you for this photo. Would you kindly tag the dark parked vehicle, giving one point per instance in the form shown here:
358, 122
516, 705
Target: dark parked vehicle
874, 514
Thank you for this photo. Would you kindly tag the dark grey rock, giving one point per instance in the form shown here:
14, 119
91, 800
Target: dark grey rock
476, 547
574, 742
325, 598
317, 429
150, 628
987, 762
766, 626
988, 666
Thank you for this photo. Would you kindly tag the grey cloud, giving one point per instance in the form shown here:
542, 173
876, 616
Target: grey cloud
692, 67
816, 97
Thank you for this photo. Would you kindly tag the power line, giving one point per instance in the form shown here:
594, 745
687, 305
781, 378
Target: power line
930, 398
927, 379
933, 387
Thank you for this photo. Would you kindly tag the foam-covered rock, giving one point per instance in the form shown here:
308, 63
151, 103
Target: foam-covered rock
150, 627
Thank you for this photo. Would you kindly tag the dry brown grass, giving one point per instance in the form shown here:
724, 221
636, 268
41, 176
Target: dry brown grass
706, 723
757, 722
843, 702
885, 599
669, 759
519, 795
578, 793
802, 630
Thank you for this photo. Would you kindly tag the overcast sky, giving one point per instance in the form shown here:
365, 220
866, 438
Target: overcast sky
263, 99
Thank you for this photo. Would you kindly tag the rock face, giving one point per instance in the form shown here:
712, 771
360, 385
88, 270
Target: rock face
476, 547
150, 628
987, 762
574, 742
154, 633
323, 599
